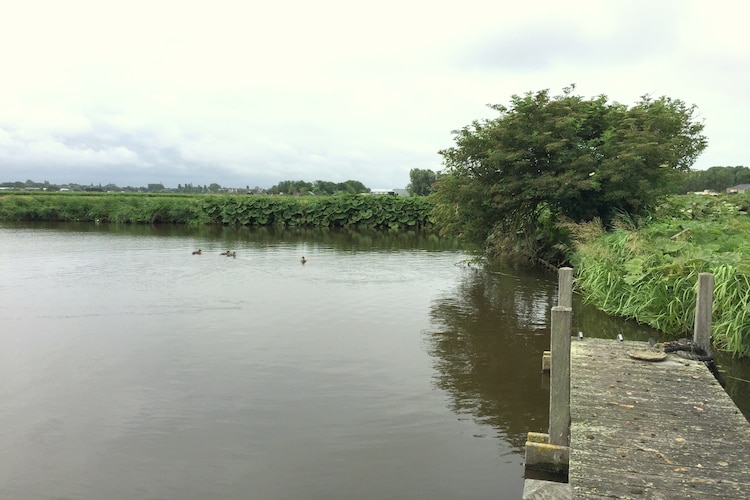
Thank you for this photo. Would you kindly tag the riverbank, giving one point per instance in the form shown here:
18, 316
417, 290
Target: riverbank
647, 269
289, 211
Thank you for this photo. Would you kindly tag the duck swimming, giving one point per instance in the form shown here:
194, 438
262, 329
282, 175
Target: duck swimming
303, 259
197, 252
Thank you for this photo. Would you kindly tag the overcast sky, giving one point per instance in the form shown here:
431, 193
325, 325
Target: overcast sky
252, 93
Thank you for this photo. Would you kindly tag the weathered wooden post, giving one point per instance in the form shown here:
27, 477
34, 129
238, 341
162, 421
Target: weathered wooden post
551, 451
703, 311
565, 287
559, 396
565, 299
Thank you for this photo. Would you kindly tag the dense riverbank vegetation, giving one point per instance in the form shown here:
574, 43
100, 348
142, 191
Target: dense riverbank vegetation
363, 211
647, 268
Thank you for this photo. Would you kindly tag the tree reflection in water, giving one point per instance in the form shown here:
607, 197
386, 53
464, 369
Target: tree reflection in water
487, 339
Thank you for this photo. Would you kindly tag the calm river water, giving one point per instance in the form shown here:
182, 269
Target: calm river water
384, 367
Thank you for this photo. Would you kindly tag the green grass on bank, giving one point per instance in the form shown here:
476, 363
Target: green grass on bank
648, 271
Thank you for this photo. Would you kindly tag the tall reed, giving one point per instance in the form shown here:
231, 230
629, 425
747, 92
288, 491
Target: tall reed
650, 273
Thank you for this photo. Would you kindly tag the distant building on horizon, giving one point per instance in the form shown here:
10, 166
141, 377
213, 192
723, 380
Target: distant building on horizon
392, 192
739, 188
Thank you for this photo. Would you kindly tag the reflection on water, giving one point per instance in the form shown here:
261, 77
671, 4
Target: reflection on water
491, 332
222, 236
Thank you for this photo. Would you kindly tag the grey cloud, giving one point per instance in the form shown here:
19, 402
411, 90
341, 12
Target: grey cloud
260, 161
538, 46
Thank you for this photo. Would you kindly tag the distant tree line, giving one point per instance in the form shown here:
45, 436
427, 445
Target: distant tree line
284, 187
30, 185
320, 188
715, 179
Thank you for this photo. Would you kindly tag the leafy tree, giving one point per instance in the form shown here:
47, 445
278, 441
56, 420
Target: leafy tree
291, 187
508, 180
318, 187
421, 181
353, 187
741, 175
324, 187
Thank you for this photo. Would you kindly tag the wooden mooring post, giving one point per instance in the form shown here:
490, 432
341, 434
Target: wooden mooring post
565, 287
549, 452
559, 397
565, 299
703, 311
